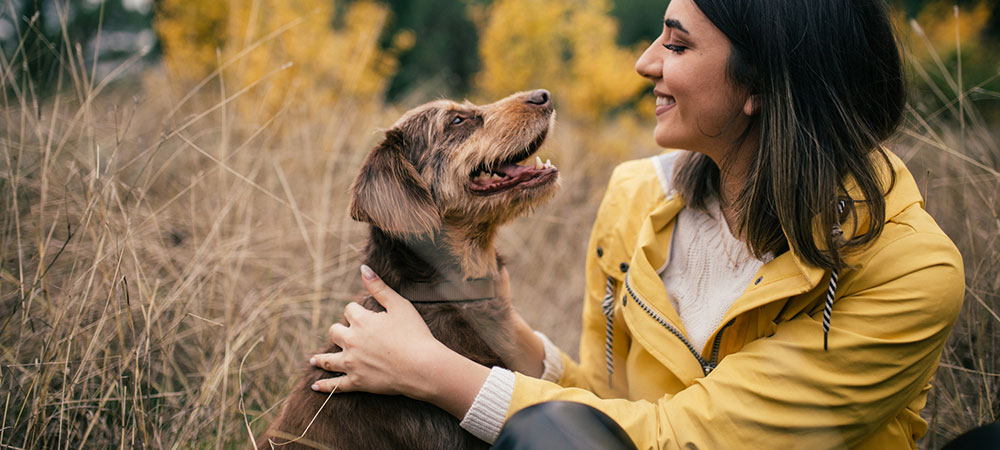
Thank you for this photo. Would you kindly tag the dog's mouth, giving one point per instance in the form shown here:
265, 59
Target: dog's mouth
525, 170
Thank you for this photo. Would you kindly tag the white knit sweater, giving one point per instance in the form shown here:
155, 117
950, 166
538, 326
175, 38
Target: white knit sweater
708, 269
706, 272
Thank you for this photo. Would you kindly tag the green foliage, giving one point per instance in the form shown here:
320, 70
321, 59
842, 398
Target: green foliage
638, 20
952, 55
444, 50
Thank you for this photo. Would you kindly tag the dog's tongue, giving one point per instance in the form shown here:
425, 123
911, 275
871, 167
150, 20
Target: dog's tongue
513, 170
509, 175
530, 167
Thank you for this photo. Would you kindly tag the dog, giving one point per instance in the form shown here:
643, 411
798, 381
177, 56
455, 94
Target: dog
435, 191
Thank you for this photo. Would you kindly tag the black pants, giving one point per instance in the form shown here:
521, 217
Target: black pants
986, 437
575, 426
562, 426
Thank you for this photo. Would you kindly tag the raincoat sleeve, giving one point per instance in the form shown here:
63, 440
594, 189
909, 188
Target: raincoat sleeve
889, 326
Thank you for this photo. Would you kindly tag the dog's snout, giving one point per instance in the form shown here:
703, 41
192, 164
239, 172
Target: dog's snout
539, 97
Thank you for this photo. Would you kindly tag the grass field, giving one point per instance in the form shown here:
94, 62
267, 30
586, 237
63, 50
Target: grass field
168, 263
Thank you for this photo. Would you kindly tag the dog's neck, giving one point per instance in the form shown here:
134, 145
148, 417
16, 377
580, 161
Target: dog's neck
472, 249
448, 255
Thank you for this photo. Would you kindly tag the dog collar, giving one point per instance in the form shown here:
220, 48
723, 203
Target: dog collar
475, 290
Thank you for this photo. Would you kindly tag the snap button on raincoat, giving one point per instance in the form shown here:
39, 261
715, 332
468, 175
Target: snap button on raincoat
764, 380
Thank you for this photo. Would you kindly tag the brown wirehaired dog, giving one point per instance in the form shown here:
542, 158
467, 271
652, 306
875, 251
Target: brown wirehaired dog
435, 191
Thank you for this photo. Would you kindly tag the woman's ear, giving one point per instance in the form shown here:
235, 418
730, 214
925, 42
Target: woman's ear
389, 193
750, 107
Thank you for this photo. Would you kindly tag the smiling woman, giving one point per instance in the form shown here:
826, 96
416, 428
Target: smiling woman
774, 283
697, 107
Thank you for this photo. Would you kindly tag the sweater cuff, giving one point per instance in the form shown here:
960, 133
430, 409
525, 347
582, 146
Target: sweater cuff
553, 368
486, 415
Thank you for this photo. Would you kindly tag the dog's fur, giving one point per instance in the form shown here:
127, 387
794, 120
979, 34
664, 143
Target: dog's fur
430, 222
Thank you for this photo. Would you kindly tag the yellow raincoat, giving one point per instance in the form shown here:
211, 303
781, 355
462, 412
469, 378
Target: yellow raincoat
770, 383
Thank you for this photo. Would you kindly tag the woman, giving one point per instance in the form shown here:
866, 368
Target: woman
775, 285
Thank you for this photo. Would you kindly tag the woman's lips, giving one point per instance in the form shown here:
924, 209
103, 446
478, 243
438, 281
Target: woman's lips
664, 103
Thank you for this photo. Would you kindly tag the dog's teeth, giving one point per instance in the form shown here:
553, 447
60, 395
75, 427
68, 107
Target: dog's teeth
538, 163
548, 163
483, 176
496, 177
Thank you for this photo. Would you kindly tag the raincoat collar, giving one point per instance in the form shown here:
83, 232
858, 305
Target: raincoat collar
903, 194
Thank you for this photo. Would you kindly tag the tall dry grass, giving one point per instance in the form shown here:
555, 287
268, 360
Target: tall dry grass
168, 263
954, 153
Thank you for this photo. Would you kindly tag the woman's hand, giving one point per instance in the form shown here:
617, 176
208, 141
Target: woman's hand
393, 352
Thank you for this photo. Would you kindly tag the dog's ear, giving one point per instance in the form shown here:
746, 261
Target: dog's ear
390, 194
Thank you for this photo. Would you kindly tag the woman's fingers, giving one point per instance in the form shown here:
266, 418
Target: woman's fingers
354, 312
391, 352
330, 362
341, 362
382, 293
338, 334
336, 384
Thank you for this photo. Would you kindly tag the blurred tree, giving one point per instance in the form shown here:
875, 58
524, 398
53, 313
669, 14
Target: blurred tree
444, 51
289, 47
566, 46
45, 33
934, 45
638, 20
190, 32
989, 30
31, 35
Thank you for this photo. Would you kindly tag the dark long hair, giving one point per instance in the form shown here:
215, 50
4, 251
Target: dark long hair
829, 85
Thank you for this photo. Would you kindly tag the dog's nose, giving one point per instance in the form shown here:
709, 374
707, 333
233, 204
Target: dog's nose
539, 97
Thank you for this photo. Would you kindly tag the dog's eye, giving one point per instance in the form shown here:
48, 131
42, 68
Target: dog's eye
457, 120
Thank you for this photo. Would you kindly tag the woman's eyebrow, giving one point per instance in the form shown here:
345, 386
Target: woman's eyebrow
675, 24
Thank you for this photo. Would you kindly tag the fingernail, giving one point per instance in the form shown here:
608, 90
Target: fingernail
367, 272
315, 387
312, 361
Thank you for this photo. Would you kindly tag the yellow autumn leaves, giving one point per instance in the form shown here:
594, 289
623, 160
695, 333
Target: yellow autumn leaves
567, 46
283, 51
303, 52
945, 30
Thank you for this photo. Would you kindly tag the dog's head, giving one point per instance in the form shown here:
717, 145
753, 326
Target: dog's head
457, 164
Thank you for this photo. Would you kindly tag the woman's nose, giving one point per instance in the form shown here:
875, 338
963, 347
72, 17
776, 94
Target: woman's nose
649, 64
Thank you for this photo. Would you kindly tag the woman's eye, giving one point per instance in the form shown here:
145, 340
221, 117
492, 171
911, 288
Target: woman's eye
457, 120
675, 48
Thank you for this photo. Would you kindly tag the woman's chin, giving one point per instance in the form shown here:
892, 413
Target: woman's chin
665, 139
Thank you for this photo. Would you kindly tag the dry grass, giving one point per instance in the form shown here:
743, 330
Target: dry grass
167, 264
955, 156
163, 273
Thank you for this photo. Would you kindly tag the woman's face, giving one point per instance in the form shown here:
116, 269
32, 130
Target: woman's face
697, 107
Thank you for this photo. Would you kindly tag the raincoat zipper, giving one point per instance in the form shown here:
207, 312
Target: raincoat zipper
706, 366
